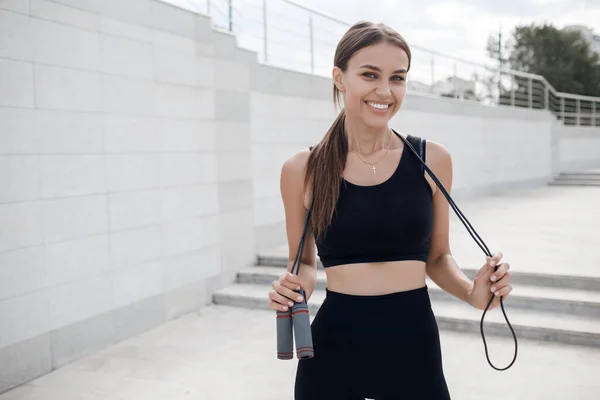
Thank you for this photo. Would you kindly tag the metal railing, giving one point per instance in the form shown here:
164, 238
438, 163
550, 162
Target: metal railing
293, 36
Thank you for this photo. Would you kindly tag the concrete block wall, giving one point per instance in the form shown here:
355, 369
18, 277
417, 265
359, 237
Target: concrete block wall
126, 182
579, 147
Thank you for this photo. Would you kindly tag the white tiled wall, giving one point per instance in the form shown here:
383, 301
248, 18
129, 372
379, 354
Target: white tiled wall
18, 6
16, 84
578, 147
66, 15
59, 88
15, 36
109, 159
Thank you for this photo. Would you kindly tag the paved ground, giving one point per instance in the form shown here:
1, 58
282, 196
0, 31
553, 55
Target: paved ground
229, 353
554, 230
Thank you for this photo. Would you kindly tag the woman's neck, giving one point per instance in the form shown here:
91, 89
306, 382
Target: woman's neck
367, 140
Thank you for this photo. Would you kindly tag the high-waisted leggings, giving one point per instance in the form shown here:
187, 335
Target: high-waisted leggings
380, 347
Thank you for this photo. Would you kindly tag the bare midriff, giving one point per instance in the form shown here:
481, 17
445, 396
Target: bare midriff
376, 278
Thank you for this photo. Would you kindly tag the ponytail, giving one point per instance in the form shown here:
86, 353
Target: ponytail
324, 172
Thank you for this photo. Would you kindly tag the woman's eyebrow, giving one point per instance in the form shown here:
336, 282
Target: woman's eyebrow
398, 71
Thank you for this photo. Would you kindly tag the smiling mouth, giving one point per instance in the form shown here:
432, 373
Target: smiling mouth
379, 106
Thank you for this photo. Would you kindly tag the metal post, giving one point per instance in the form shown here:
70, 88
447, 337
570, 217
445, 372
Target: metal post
530, 93
578, 119
499, 86
432, 74
512, 92
594, 112
546, 97
562, 109
312, 49
454, 84
265, 28
230, 16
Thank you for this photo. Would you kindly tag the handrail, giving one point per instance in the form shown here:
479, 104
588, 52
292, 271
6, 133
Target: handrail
487, 84
315, 12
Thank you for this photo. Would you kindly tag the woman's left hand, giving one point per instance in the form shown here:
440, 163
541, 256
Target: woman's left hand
488, 282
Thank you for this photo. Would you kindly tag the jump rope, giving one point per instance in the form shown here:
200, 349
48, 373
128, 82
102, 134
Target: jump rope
295, 323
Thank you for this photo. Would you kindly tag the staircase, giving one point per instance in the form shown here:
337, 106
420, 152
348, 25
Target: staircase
555, 308
583, 178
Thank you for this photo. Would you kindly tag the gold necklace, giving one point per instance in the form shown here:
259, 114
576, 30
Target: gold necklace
373, 167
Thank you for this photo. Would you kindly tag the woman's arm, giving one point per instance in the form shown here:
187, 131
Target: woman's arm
292, 193
441, 266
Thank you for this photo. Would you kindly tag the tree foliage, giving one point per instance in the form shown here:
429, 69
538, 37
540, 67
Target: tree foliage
563, 57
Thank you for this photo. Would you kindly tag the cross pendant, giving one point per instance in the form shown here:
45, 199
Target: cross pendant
374, 169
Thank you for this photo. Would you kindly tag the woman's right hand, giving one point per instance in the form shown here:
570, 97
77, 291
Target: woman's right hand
283, 295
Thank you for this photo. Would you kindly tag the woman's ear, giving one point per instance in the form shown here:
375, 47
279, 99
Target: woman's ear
338, 75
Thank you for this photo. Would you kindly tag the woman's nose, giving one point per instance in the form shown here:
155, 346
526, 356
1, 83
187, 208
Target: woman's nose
383, 90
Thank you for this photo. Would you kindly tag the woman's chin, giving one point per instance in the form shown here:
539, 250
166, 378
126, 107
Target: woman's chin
376, 123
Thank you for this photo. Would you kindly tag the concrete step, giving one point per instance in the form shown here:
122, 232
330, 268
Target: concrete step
278, 258
558, 300
595, 172
528, 324
578, 178
584, 176
575, 182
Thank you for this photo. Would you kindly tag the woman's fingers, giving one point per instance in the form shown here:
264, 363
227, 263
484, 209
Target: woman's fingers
502, 287
285, 291
501, 272
504, 292
290, 281
279, 302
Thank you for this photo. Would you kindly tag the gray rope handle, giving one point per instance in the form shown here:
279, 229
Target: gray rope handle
295, 322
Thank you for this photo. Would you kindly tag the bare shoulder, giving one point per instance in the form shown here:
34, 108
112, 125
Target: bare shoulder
437, 155
295, 206
439, 160
292, 176
295, 165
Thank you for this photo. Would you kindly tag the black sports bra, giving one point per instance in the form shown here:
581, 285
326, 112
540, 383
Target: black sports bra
389, 221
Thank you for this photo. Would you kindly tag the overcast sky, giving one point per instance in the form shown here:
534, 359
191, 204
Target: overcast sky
456, 27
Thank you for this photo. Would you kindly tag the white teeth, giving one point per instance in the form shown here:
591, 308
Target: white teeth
378, 106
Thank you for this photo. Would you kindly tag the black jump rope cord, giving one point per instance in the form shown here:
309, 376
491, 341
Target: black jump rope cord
485, 250
296, 266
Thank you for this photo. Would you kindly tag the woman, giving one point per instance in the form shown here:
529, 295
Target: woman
380, 226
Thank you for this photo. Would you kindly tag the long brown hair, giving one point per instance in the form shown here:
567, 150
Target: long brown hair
327, 160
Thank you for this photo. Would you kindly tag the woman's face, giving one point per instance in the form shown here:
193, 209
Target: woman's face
374, 84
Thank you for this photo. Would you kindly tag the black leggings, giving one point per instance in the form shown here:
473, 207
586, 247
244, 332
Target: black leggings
378, 347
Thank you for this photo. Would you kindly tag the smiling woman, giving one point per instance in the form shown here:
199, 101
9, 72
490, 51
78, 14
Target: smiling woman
379, 225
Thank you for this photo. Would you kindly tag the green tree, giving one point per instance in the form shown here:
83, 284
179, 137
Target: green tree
564, 58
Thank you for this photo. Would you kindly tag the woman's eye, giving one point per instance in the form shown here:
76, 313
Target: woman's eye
372, 75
